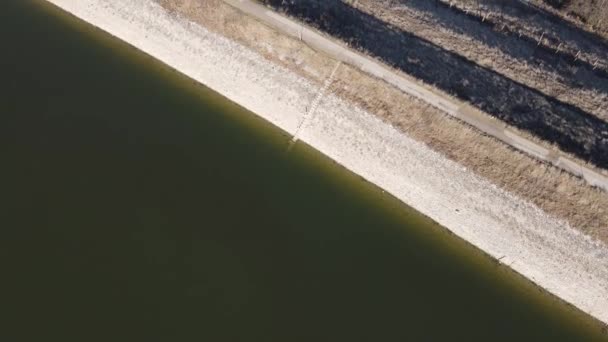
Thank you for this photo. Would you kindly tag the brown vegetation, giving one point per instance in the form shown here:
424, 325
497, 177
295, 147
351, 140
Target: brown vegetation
556, 192
535, 21
592, 14
492, 46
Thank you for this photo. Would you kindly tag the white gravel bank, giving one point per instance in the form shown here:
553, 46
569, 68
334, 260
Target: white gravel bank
547, 251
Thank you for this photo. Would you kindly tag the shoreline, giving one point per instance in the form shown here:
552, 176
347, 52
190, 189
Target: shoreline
547, 251
516, 138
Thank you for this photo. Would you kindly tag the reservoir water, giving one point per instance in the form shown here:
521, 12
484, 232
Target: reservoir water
138, 205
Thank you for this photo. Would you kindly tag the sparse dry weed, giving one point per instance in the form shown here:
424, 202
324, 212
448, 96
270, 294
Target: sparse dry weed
505, 43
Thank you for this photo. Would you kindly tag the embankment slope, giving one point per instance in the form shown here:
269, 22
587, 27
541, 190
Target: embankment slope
546, 250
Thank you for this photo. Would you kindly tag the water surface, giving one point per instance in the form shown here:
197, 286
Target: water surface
138, 205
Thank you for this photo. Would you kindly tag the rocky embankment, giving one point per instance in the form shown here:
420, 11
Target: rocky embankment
545, 224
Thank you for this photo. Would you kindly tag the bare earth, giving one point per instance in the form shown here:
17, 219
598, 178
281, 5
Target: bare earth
547, 225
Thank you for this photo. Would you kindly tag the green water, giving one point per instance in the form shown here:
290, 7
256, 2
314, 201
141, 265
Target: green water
138, 206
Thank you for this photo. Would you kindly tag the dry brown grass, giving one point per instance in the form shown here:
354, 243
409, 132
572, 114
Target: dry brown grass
515, 57
556, 192
590, 14
557, 30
